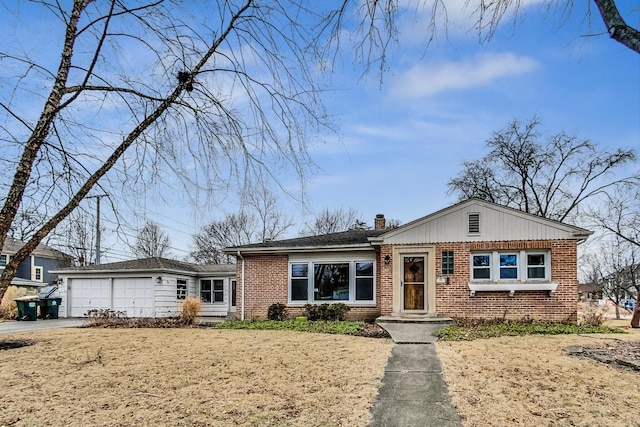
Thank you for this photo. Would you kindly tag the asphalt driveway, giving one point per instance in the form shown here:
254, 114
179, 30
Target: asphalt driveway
12, 326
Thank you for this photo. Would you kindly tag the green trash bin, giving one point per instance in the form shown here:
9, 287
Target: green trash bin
49, 302
49, 307
27, 308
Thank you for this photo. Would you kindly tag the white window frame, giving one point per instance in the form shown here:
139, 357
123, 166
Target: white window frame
37, 270
352, 281
182, 293
490, 267
522, 266
7, 260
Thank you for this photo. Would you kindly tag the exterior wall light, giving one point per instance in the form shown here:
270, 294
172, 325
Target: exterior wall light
387, 260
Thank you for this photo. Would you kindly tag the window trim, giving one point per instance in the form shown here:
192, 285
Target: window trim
7, 260
181, 294
311, 263
450, 262
37, 269
521, 265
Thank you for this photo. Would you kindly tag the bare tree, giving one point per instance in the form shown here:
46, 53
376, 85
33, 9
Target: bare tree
267, 220
615, 268
332, 221
620, 214
260, 221
551, 178
79, 241
151, 242
139, 87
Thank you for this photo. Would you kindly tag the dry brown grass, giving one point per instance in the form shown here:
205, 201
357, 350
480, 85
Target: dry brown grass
531, 381
190, 377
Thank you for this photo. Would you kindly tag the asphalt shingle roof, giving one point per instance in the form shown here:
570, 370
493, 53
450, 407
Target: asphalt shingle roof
344, 238
156, 264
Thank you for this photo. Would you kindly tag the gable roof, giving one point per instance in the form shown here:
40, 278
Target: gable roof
11, 246
352, 239
497, 223
446, 225
155, 264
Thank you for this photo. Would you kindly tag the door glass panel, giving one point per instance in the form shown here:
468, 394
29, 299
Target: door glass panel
413, 269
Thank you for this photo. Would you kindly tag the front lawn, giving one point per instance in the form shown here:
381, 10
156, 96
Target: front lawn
189, 377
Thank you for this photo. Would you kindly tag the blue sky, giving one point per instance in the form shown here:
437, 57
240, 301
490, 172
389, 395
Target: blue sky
400, 139
398, 143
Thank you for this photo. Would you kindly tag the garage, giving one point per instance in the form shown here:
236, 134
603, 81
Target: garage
88, 294
132, 296
150, 287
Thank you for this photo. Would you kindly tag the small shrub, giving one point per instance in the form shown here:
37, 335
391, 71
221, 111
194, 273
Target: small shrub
277, 311
592, 319
190, 308
326, 312
8, 307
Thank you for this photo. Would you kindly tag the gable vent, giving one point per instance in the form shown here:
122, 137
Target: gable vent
474, 223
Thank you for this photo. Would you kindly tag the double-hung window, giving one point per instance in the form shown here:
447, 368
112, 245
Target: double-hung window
4, 260
212, 291
327, 282
481, 266
511, 266
181, 289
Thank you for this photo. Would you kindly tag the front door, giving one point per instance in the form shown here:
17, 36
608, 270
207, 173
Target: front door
414, 282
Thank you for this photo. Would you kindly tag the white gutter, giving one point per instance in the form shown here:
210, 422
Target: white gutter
242, 287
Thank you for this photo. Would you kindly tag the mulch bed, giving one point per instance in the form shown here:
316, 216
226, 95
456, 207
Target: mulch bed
372, 330
9, 344
622, 354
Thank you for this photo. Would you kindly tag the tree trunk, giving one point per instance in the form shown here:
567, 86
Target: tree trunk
635, 320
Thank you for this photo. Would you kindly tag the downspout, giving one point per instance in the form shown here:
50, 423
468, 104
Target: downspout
242, 287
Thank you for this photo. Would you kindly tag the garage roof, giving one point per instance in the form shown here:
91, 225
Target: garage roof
155, 264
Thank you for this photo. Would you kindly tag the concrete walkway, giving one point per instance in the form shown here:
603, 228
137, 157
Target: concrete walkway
413, 391
11, 327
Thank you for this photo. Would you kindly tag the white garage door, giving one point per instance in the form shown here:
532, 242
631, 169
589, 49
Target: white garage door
87, 294
135, 296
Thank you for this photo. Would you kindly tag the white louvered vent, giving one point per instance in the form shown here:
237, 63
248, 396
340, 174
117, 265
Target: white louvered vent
474, 223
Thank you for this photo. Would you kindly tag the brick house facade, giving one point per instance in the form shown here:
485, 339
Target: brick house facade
473, 259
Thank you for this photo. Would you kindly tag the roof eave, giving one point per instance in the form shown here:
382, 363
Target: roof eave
289, 249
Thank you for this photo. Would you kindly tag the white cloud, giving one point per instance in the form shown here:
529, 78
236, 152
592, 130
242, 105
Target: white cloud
427, 80
454, 18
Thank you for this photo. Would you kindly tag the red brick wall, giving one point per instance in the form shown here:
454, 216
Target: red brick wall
266, 283
453, 299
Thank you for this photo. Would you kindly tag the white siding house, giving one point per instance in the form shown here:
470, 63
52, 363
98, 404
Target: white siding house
152, 287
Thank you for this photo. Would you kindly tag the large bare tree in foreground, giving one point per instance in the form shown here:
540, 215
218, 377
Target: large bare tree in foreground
213, 95
547, 176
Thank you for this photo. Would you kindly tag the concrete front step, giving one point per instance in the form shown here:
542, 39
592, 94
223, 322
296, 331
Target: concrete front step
414, 318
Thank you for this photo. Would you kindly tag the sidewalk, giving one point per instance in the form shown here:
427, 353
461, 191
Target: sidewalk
413, 391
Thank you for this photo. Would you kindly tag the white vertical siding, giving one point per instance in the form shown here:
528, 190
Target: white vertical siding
496, 224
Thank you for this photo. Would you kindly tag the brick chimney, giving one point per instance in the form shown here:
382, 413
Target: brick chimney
379, 223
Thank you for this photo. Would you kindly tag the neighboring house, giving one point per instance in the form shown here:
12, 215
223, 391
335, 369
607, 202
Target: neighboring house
472, 259
36, 268
151, 287
589, 292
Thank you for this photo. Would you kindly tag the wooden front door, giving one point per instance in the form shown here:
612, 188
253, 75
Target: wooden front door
413, 282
